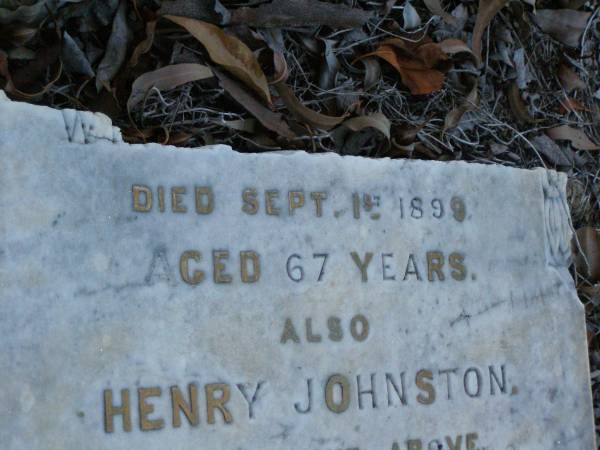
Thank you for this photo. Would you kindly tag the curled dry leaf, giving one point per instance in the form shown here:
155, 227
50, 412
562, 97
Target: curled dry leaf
470, 103
435, 7
521, 65
376, 121
298, 13
246, 125
569, 79
17, 35
167, 77
282, 71
486, 12
304, 114
229, 52
31, 12
571, 104
73, 57
575, 136
144, 46
372, 72
411, 17
553, 152
565, 25
211, 11
417, 63
14, 90
454, 47
330, 66
517, 105
405, 135
587, 253
270, 120
116, 49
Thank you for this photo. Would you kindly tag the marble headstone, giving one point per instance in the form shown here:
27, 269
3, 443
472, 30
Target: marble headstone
154, 297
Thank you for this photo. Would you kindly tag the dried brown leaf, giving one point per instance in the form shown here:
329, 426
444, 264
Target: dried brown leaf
304, 114
405, 134
587, 253
414, 63
116, 49
569, 79
229, 52
73, 58
246, 125
167, 77
411, 17
565, 25
17, 35
144, 46
571, 104
270, 120
470, 103
553, 152
435, 7
575, 136
372, 72
30, 12
10, 86
454, 46
376, 121
486, 12
517, 105
298, 13
211, 11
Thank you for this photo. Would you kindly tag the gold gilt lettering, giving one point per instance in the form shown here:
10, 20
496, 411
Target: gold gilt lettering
179, 405
289, 332
420, 381
205, 200
110, 411
359, 328
459, 272
343, 384
213, 403
414, 444
318, 198
250, 205
310, 336
161, 199
198, 276
219, 275
435, 262
270, 196
296, 200
142, 198
471, 441
146, 409
176, 194
362, 265
252, 258
456, 445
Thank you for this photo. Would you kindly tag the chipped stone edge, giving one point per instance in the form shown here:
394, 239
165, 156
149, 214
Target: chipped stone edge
84, 127
557, 220
558, 233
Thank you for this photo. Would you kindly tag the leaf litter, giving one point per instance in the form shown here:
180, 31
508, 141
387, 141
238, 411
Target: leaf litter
491, 81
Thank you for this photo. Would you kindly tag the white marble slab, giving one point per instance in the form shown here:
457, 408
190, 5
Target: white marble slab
279, 301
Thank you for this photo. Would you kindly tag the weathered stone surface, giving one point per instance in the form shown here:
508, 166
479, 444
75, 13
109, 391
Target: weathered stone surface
461, 331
